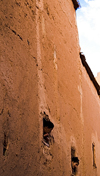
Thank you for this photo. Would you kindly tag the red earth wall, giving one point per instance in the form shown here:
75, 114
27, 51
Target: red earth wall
41, 71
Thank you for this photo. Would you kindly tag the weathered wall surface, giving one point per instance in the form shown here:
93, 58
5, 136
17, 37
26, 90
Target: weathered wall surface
60, 73
91, 114
18, 88
41, 72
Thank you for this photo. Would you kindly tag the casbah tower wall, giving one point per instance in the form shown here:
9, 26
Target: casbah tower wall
19, 125
42, 76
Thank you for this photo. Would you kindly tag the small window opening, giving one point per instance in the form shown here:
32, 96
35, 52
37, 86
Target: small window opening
94, 156
47, 128
74, 161
5, 144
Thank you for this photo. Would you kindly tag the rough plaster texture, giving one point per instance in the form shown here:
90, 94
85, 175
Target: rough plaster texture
18, 88
41, 72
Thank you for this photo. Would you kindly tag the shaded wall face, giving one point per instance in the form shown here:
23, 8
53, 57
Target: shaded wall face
61, 84
41, 74
91, 113
18, 88
68, 99
38, 49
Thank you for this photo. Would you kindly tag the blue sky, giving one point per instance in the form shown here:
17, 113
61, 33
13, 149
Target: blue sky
82, 3
88, 22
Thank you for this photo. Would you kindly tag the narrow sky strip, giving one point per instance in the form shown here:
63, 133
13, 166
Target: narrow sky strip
88, 23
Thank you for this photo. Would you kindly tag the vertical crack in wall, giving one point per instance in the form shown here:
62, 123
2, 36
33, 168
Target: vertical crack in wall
5, 144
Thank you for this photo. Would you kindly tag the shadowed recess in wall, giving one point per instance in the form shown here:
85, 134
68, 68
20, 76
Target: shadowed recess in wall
5, 144
1, 112
74, 161
94, 156
72, 152
47, 128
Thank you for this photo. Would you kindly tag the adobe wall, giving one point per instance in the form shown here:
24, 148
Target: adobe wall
91, 130
41, 72
18, 88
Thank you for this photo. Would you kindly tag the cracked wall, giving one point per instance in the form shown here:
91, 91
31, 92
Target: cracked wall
41, 72
18, 88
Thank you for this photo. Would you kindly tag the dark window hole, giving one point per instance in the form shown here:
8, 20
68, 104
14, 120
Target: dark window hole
94, 156
74, 161
47, 128
5, 144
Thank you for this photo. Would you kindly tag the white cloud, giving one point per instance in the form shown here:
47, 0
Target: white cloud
89, 31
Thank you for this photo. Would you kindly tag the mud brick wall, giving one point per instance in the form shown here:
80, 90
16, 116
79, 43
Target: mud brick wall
41, 74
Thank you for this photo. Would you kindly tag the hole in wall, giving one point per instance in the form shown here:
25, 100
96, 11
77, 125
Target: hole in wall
94, 155
47, 128
72, 152
5, 144
74, 161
